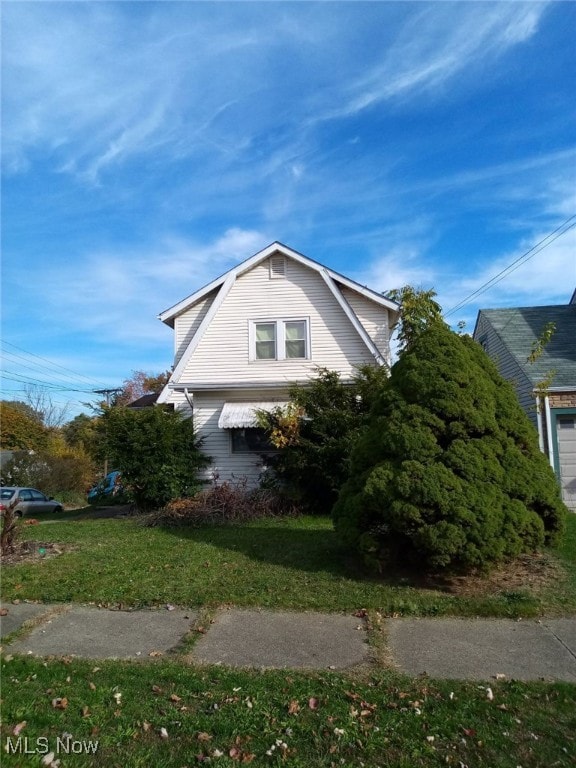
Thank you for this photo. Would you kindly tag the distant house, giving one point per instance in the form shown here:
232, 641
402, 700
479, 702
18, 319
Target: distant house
547, 387
243, 339
144, 401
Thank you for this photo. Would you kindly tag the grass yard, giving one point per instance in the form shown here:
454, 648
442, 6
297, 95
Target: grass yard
288, 563
232, 717
167, 713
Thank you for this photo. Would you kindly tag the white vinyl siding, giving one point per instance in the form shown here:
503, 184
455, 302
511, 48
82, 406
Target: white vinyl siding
186, 325
373, 317
217, 443
223, 354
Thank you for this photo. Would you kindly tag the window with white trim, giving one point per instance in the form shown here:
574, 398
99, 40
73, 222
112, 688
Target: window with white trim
280, 339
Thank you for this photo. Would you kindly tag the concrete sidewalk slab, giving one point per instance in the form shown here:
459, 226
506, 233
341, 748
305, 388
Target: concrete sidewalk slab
102, 634
478, 649
564, 630
18, 614
283, 640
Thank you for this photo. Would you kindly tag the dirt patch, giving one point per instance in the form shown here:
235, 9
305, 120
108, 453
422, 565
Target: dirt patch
533, 573
33, 552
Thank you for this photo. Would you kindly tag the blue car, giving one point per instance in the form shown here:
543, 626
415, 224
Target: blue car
110, 485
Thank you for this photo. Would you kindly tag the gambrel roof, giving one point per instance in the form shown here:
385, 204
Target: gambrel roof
170, 314
222, 285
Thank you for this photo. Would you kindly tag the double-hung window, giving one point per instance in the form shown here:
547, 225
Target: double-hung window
279, 340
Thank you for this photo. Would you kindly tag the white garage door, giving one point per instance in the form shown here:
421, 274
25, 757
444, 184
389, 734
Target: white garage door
566, 432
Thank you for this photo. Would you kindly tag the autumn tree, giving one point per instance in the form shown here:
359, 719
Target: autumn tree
139, 384
22, 430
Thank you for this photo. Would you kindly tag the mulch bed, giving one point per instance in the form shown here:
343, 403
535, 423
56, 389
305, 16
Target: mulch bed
531, 572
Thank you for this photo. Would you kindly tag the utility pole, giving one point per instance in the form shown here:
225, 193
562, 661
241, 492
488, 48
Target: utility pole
107, 394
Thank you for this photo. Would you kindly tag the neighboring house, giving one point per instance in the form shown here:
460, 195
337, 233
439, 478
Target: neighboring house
547, 387
144, 401
243, 339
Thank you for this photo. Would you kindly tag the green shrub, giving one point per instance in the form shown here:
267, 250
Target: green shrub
448, 474
314, 436
157, 452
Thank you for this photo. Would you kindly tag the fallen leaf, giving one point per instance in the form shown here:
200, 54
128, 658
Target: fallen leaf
163, 733
118, 698
203, 736
17, 728
469, 732
489, 694
175, 698
156, 653
85, 712
156, 689
92, 686
293, 707
50, 760
60, 703
313, 703
3, 611
146, 726
361, 613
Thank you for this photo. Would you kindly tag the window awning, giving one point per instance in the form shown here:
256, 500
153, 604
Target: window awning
243, 415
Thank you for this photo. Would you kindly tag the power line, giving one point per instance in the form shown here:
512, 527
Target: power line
21, 379
53, 364
530, 253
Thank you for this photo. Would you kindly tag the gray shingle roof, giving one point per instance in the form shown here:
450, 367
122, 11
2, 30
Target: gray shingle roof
520, 327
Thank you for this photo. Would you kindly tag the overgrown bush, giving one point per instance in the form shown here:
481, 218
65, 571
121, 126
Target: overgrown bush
226, 502
448, 473
56, 471
157, 452
315, 434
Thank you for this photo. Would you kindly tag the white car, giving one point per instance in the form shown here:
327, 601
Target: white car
27, 501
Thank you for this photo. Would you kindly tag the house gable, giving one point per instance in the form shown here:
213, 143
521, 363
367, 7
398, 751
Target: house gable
213, 326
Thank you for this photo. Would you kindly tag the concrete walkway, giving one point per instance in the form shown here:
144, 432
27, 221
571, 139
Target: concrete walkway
474, 649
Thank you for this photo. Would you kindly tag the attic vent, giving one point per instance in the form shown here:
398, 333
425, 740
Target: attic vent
277, 267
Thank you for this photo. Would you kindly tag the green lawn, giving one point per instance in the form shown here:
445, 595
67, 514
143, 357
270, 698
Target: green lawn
372, 717
289, 563
307, 720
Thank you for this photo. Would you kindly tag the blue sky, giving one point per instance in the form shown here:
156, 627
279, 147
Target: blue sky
150, 146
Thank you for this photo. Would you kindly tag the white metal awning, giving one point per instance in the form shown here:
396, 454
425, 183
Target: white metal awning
243, 415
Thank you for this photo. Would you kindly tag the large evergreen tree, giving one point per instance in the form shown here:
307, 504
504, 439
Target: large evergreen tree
448, 474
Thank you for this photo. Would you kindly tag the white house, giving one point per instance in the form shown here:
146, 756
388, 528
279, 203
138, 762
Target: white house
243, 339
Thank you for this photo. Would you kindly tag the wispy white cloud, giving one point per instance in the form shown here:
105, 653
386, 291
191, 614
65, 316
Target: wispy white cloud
118, 295
435, 45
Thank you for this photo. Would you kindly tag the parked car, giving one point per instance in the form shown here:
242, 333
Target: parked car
28, 501
111, 485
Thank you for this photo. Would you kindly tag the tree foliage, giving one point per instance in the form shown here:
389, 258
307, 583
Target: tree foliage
418, 311
56, 469
139, 384
21, 429
315, 434
448, 473
82, 432
157, 452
